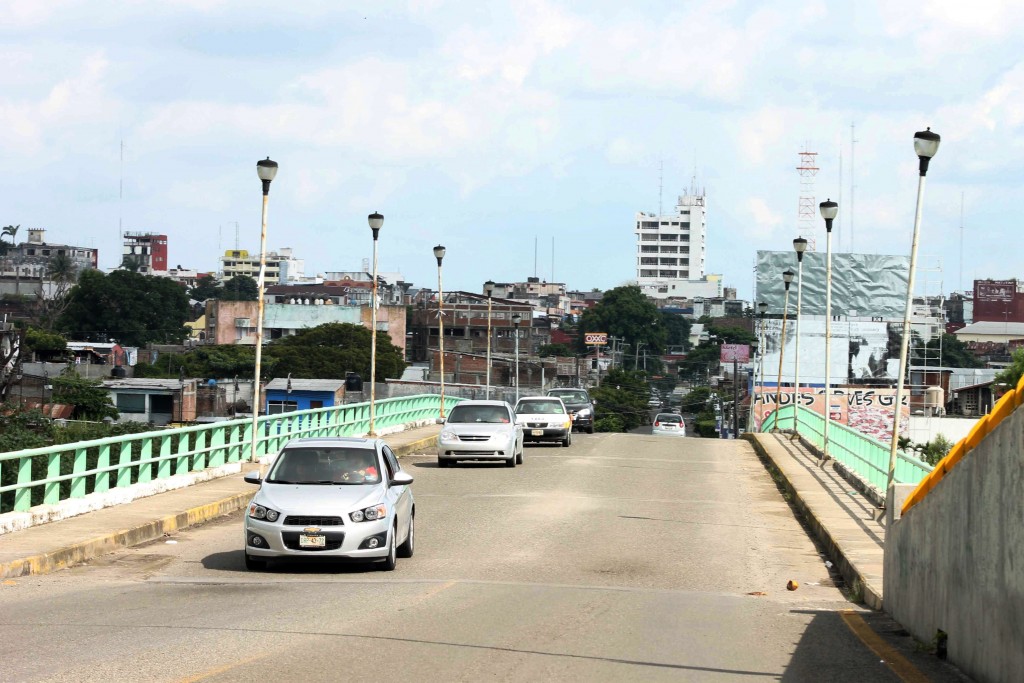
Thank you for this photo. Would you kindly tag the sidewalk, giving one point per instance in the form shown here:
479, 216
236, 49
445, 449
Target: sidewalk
848, 525
49, 547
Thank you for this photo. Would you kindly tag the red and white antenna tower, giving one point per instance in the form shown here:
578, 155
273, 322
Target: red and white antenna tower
807, 215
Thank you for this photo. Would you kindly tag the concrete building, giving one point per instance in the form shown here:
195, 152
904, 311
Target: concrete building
671, 248
159, 401
990, 331
285, 396
282, 266
999, 301
148, 250
549, 297
30, 260
234, 322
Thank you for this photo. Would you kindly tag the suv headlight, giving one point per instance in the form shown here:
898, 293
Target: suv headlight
584, 413
370, 514
260, 512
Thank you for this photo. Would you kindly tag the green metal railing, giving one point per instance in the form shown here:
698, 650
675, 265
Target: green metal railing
55, 473
865, 456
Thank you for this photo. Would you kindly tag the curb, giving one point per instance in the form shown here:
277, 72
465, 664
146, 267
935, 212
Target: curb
101, 545
858, 583
77, 553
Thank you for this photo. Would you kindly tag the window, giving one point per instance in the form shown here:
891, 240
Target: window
313, 405
649, 249
669, 238
278, 407
391, 462
131, 403
650, 225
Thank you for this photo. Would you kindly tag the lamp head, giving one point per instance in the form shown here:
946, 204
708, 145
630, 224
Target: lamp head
439, 252
266, 170
800, 245
829, 210
516, 319
489, 288
376, 221
926, 144
787, 277
762, 307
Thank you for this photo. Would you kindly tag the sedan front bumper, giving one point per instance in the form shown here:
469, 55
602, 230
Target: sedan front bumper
341, 542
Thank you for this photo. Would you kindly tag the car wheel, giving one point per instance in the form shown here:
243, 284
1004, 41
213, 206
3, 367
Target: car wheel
590, 429
441, 462
391, 561
567, 441
254, 565
519, 455
409, 547
511, 462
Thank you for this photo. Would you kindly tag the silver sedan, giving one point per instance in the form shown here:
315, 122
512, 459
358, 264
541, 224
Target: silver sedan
339, 498
480, 430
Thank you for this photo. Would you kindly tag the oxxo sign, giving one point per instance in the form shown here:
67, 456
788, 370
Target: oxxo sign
595, 338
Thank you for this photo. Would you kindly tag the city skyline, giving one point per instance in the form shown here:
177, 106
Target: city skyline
496, 128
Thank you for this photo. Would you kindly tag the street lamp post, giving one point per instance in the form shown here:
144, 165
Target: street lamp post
800, 245
787, 279
439, 252
926, 144
376, 221
489, 291
516, 319
762, 308
266, 169
829, 210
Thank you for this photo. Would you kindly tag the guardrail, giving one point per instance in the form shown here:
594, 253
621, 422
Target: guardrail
55, 473
867, 457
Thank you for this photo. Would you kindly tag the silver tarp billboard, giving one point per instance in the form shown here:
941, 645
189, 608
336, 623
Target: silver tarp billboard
863, 285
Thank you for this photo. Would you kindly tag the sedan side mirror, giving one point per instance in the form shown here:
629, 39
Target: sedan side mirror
253, 477
401, 478
593, 402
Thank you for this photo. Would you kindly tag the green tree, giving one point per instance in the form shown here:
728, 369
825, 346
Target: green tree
622, 395
241, 288
206, 287
677, 330
129, 307
212, 362
330, 350
43, 343
91, 401
554, 350
10, 231
131, 263
954, 353
1009, 377
625, 312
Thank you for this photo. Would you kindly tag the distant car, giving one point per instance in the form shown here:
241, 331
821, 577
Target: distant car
580, 405
480, 430
669, 424
654, 403
338, 498
544, 418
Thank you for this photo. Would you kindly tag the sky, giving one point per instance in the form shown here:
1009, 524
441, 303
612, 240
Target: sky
524, 136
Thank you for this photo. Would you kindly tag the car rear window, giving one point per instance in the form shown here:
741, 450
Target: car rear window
539, 408
668, 417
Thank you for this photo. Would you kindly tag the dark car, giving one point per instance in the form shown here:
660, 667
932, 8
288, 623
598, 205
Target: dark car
580, 406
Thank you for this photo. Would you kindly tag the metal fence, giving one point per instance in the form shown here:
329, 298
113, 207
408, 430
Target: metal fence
866, 457
55, 473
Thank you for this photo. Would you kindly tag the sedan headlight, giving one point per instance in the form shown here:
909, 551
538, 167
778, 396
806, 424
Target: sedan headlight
260, 512
584, 413
370, 514
447, 435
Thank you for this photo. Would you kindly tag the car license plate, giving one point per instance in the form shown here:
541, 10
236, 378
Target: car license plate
537, 432
312, 541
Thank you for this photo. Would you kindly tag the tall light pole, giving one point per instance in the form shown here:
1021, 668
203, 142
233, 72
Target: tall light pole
439, 252
763, 346
489, 291
787, 279
829, 210
516, 319
926, 144
376, 222
266, 169
800, 245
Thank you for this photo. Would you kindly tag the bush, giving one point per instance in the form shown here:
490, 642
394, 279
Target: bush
609, 423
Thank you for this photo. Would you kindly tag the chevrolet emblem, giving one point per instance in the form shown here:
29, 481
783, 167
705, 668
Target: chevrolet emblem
312, 530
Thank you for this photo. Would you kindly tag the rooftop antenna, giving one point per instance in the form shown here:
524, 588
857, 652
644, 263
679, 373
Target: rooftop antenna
120, 196
835, 222
807, 213
552, 258
853, 177
535, 256
661, 183
960, 282
236, 235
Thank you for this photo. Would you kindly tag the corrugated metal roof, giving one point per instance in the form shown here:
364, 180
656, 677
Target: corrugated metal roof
281, 384
992, 327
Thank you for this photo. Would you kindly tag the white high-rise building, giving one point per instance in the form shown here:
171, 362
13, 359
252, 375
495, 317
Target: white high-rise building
671, 248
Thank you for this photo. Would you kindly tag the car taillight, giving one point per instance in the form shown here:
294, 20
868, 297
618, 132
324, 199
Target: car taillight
657, 424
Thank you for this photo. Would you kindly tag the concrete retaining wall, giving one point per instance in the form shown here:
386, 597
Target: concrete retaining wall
955, 561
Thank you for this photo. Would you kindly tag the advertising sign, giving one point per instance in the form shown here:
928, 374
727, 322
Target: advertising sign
994, 290
735, 352
595, 338
869, 410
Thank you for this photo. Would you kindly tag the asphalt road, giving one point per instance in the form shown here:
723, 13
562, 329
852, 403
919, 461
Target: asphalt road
621, 558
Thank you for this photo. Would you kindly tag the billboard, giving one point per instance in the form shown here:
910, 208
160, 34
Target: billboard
863, 285
739, 353
595, 338
868, 410
994, 290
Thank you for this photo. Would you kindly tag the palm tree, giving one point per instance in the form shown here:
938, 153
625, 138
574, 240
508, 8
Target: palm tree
132, 263
11, 231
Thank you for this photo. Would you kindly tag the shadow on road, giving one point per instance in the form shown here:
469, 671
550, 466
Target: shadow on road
234, 561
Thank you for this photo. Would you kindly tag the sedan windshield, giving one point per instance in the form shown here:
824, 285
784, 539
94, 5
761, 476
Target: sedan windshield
333, 466
539, 408
477, 414
572, 396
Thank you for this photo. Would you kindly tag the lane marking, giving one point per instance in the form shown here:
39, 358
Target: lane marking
900, 665
209, 673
